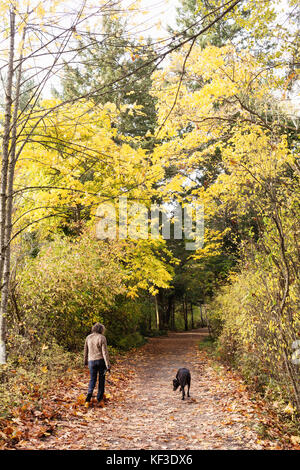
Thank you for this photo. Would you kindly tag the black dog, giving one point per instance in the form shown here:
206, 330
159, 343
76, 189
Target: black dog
183, 378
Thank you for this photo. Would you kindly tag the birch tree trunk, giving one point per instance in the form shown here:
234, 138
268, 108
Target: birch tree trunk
4, 266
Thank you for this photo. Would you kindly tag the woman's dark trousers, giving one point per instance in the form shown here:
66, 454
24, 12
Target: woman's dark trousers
97, 368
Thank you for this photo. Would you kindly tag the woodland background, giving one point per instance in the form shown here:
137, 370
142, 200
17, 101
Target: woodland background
94, 108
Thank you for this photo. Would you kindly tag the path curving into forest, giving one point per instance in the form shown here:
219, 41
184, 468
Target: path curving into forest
144, 412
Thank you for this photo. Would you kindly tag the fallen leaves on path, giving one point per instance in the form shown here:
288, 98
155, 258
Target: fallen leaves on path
140, 410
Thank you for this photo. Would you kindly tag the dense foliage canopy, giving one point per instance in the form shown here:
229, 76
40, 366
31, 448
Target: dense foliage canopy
207, 115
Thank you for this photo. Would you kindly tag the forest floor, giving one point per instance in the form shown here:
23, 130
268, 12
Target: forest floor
143, 412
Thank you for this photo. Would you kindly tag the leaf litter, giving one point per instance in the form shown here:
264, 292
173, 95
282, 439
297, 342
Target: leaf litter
141, 411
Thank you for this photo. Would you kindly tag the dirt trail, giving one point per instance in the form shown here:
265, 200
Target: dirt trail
145, 413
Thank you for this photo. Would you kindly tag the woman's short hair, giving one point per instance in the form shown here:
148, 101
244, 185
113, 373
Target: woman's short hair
97, 328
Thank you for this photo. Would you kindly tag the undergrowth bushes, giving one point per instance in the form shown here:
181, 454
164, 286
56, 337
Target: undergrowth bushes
253, 338
67, 287
29, 373
56, 296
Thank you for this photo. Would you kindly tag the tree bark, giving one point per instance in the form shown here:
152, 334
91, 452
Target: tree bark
192, 317
156, 312
185, 314
4, 251
173, 316
169, 310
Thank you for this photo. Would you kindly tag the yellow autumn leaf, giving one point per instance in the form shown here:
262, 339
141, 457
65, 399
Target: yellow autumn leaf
295, 440
289, 409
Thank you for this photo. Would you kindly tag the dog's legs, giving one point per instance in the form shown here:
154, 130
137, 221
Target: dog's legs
183, 393
189, 384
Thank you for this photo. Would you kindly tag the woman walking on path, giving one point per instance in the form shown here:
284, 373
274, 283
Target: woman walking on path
97, 358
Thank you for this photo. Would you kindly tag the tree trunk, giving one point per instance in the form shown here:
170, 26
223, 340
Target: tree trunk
207, 321
156, 312
185, 315
4, 222
169, 310
192, 317
150, 320
203, 316
173, 316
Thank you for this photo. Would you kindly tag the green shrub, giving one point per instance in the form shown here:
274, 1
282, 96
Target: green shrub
154, 333
207, 344
122, 321
250, 335
132, 340
66, 288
